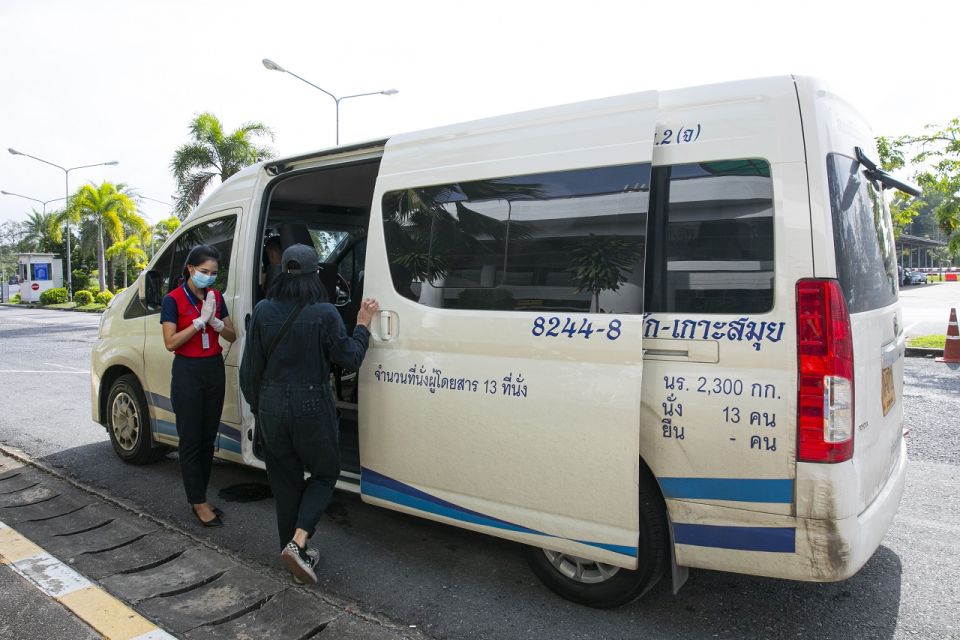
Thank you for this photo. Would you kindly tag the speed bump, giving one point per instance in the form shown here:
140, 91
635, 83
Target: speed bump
108, 616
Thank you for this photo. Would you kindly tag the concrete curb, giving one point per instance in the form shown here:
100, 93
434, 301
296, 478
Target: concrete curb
346, 606
923, 352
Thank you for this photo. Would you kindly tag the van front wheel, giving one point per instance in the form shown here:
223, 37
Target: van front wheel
128, 422
601, 585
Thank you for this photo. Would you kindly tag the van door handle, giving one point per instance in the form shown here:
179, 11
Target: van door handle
891, 352
389, 325
706, 351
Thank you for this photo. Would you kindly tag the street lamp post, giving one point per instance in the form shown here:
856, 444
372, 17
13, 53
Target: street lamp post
273, 66
43, 202
66, 182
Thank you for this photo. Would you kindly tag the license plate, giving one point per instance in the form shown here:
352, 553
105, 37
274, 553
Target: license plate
887, 393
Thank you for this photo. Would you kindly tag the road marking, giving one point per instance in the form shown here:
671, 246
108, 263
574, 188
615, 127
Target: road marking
108, 616
42, 371
62, 366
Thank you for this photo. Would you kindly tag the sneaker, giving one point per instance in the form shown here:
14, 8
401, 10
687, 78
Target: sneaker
299, 563
314, 558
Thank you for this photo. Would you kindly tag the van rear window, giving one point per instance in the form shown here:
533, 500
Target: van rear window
862, 237
711, 238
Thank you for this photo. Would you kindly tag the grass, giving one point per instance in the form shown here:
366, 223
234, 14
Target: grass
934, 341
92, 307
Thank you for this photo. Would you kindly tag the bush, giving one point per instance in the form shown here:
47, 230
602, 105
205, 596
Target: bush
54, 296
15, 298
83, 297
118, 291
81, 279
104, 297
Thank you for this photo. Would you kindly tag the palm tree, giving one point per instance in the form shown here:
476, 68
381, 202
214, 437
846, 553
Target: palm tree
40, 233
110, 208
130, 248
163, 230
210, 153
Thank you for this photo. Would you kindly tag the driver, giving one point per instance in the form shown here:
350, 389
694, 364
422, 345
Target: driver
272, 254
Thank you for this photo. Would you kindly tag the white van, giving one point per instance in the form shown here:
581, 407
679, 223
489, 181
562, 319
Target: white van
654, 330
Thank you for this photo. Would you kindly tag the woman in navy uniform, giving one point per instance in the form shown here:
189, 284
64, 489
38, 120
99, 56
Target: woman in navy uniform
194, 318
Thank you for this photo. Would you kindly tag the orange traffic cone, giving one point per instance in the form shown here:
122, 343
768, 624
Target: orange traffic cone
951, 350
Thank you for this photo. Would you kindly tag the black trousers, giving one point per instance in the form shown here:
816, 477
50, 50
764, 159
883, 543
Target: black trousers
300, 433
196, 392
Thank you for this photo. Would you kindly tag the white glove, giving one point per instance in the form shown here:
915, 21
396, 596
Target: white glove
199, 325
216, 324
209, 308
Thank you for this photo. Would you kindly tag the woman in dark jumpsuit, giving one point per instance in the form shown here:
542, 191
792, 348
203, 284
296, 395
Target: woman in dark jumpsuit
292, 397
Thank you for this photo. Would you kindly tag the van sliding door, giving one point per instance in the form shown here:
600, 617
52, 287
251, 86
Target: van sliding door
502, 389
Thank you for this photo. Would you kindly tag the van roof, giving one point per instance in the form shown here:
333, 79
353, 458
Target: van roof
236, 190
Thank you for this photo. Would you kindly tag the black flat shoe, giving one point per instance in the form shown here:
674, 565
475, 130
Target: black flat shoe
217, 512
216, 522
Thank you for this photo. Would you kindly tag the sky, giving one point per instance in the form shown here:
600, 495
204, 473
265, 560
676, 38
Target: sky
84, 82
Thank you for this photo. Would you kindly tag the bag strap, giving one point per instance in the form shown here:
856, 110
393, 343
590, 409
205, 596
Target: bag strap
284, 328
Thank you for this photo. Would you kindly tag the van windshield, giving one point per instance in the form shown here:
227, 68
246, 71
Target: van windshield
862, 237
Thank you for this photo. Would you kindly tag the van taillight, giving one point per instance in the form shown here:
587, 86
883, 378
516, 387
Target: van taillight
825, 373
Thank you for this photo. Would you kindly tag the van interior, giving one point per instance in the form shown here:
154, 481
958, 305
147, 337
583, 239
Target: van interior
327, 208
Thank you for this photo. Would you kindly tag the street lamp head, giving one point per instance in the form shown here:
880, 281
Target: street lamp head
14, 151
390, 92
112, 163
273, 66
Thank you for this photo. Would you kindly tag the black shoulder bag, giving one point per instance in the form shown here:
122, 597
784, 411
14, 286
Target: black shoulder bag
284, 328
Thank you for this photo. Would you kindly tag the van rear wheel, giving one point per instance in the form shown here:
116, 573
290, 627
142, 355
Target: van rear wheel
600, 585
128, 422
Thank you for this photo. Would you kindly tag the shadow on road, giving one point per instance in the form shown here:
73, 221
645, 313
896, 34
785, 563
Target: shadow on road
456, 583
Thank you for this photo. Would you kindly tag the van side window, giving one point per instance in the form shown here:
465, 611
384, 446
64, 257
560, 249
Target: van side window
218, 233
711, 238
559, 241
862, 237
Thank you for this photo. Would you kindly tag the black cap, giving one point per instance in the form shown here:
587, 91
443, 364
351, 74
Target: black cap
299, 258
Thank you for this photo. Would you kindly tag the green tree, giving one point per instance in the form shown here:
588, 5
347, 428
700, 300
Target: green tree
104, 210
935, 157
130, 249
163, 230
211, 152
40, 233
11, 232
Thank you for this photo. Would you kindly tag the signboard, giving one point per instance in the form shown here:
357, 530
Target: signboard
41, 271
35, 286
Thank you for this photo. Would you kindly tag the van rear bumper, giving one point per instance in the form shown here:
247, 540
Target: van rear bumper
722, 538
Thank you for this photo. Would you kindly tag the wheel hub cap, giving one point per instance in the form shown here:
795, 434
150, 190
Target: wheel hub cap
125, 421
580, 569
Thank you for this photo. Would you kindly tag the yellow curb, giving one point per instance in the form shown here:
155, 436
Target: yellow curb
14, 546
107, 615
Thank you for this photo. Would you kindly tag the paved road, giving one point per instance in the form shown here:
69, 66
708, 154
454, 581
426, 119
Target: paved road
926, 307
456, 584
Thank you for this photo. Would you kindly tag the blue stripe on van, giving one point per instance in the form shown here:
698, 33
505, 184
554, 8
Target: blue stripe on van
734, 489
770, 539
380, 486
168, 428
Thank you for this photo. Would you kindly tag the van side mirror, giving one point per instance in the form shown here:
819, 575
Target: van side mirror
152, 284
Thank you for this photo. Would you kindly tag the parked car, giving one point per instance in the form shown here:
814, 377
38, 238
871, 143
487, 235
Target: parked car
914, 277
